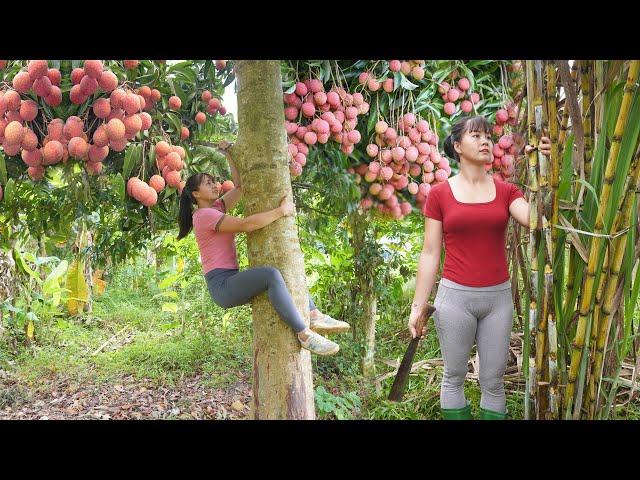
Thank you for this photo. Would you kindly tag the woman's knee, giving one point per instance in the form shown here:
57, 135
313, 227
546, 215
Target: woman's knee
454, 376
221, 301
491, 383
273, 275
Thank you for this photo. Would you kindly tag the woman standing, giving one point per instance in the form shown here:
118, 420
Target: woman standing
215, 232
473, 301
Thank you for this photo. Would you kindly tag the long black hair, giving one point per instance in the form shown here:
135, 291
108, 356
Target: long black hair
187, 201
476, 123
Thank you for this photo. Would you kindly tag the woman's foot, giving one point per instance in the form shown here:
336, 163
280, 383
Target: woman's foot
316, 343
323, 323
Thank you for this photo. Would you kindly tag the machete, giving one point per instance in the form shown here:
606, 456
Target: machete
400, 382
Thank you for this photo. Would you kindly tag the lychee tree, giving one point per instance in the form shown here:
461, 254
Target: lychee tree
384, 119
68, 181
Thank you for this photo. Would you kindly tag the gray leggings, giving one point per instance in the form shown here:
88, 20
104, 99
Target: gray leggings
230, 288
464, 314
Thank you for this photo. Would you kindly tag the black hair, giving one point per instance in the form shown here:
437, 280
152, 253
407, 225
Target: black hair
187, 201
476, 123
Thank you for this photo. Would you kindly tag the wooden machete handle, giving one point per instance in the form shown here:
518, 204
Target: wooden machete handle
426, 313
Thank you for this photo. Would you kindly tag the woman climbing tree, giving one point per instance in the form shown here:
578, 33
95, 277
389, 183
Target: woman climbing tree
215, 232
473, 301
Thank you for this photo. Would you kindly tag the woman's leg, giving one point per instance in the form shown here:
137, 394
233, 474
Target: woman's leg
241, 287
493, 336
456, 331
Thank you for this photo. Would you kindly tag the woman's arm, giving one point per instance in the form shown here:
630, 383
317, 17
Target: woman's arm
256, 221
233, 196
519, 208
428, 265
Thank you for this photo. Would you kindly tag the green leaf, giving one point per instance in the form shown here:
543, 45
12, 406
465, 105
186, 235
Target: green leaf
326, 71
291, 89
43, 260
119, 186
52, 279
170, 280
9, 190
77, 285
373, 115
174, 120
3, 170
592, 190
128, 161
478, 63
170, 307
163, 215
22, 264
229, 80
170, 294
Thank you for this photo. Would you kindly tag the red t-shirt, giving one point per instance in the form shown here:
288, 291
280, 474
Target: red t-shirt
217, 249
474, 234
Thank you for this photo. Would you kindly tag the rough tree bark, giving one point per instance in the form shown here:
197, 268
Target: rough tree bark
282, 375
364, 273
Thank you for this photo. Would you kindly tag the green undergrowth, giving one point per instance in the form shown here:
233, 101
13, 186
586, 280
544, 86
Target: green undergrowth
203, 340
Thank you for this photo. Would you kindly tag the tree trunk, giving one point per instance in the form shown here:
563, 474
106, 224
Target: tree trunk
364, 273
282, 375
7, 287
88, 272
370, 304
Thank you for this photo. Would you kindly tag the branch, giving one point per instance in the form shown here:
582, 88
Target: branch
307, 207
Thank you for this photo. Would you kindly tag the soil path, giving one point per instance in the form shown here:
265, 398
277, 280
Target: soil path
126, 398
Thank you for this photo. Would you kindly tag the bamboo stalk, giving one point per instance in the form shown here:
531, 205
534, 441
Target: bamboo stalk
576, 354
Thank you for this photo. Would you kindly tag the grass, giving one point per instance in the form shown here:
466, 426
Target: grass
205, 340
157, 346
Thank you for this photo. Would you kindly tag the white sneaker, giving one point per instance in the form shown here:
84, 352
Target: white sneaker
319, 345
325, 324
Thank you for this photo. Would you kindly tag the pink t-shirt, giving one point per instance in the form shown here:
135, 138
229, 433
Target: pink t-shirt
217, 249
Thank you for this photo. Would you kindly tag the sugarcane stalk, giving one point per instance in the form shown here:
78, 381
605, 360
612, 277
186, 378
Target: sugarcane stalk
555, 153
591, 392
616, 376
552, 109
586, 72
585, 304
623, 220
564, 124
598, 103
542, 350
568, 305
532, 158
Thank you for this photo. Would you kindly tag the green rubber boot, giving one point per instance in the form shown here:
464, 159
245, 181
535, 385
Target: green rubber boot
491, 415
463, 413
